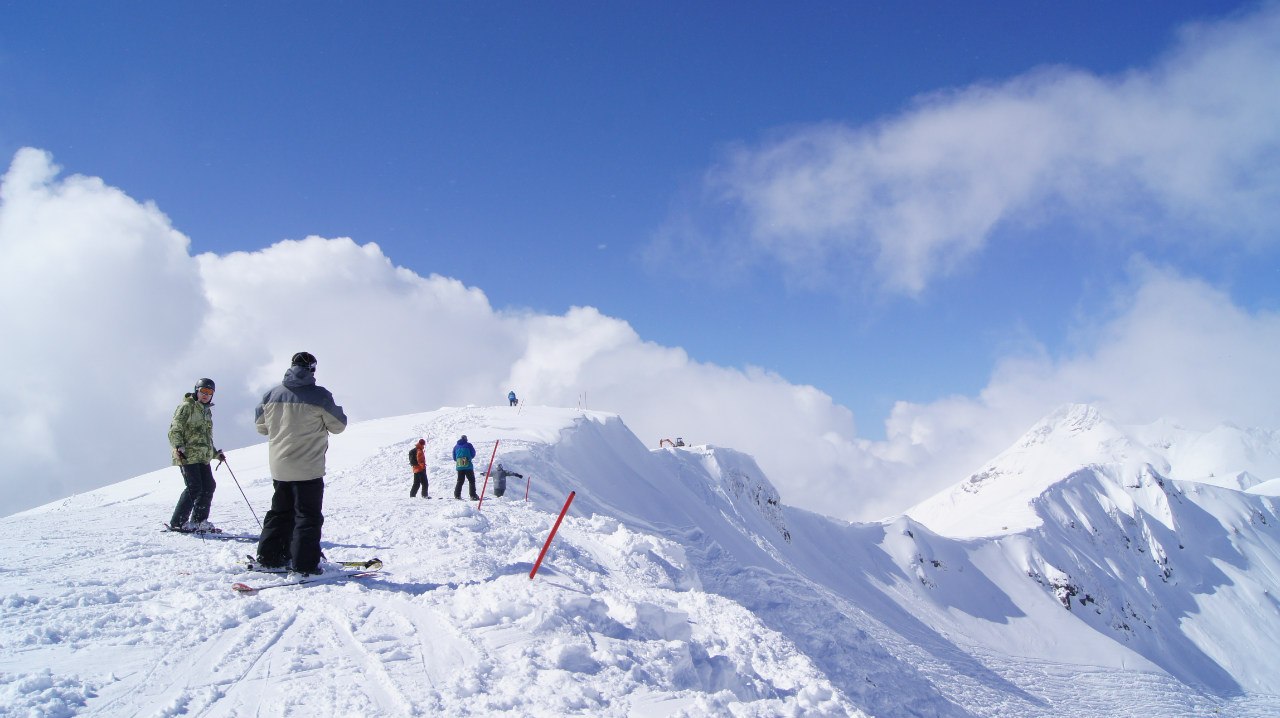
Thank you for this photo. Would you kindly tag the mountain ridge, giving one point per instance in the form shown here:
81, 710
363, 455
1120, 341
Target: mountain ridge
680, 584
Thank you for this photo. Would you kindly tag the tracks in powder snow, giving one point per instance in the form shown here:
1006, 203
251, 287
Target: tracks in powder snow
336, 650
337, 655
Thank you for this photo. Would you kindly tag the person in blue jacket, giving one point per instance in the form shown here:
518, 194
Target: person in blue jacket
463, 453
511, 398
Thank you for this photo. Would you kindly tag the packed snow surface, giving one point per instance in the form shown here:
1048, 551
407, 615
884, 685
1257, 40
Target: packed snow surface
679, 584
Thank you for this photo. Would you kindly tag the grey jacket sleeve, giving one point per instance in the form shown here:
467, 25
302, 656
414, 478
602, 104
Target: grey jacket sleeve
335, 420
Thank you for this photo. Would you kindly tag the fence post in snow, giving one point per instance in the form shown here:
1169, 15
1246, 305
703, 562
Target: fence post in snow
551, 535
486, 474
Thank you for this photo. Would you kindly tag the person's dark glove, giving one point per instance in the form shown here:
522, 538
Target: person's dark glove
178, 452
222, 458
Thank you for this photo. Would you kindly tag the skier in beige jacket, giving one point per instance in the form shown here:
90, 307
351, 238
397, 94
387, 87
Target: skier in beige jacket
297, 416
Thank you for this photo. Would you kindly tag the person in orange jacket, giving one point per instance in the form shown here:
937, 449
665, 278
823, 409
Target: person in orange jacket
420, 470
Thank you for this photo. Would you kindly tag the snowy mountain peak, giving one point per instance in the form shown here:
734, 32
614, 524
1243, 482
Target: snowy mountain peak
998, 498
1068, 419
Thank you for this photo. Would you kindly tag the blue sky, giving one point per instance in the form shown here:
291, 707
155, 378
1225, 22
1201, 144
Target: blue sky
836, 193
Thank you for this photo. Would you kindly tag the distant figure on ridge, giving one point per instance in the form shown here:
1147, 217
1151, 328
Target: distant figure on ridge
297, 416
191, 436
418, 458
463, 453
500, 480
511, 398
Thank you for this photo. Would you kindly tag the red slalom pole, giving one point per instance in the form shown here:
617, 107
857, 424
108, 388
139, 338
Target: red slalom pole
486, 474
551, 535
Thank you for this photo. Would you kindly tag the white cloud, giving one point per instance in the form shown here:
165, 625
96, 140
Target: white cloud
115, 320
1185, 149
99, 293
109, 321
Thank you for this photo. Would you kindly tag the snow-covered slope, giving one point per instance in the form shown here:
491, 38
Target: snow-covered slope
1172, 570
106, 615
679, 584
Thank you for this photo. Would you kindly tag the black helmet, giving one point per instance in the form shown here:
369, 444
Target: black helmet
203, 384
306, 359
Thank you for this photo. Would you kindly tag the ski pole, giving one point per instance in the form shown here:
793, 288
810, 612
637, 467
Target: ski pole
246, 498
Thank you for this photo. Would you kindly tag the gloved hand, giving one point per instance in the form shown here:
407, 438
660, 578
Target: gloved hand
222, 458
178, 452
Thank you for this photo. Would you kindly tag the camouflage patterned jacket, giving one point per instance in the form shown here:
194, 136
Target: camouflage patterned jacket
192, 431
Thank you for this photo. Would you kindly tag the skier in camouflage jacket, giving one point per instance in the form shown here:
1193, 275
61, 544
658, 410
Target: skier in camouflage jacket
191, 438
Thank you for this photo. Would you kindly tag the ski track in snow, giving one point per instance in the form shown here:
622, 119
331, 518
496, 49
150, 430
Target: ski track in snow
631, 614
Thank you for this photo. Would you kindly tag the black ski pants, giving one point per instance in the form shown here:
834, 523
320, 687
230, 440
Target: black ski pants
469, 476
419, 479
197, 497
291, 529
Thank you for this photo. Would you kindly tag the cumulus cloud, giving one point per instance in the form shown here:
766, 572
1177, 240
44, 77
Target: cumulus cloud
99, 291
109, 320
1185, 149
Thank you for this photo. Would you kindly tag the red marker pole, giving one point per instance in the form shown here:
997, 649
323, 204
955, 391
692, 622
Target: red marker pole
551, 535
486, 474
527, 480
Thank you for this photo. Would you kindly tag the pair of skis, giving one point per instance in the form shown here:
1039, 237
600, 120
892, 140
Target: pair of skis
216, 533
349, 570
